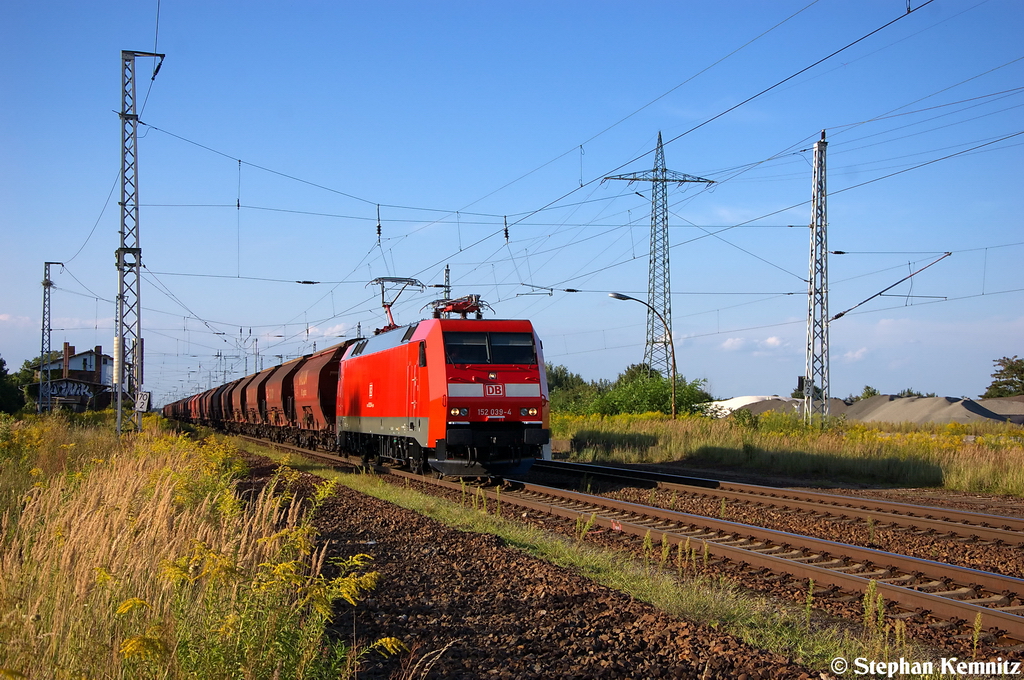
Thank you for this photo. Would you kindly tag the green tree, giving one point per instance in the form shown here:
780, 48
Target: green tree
911, 392
569, 392
11, 398
561, 378
636, 371
1008, 379
27, 374
640, 390
866, 393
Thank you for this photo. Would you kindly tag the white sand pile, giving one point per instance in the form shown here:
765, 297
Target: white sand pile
726, 406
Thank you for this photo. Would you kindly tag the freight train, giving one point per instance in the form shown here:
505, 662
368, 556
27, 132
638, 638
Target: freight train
466, 397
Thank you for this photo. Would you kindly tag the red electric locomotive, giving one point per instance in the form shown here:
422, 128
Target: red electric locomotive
466, 397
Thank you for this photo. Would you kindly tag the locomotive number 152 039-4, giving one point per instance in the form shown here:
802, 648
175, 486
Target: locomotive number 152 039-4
493, 412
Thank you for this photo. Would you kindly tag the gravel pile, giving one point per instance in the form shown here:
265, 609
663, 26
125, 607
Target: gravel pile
888, 409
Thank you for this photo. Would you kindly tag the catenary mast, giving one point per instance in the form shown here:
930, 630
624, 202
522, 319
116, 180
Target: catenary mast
128, 349
45, 384
816, 387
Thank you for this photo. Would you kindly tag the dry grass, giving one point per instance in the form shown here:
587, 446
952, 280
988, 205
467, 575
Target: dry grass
977, 458
136, 559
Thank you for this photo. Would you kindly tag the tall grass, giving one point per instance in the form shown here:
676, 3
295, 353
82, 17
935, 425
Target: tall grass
981, 458
135, 559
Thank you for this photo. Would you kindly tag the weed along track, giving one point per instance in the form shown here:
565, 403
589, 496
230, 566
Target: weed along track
917, 586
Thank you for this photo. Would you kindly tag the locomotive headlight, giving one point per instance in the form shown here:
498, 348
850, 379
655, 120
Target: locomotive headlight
527, 411
533, 411
463, 411
454, 411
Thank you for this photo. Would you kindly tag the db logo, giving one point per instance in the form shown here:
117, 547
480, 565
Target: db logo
494, 390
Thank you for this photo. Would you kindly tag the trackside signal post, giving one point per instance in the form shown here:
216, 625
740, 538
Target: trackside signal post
128, 350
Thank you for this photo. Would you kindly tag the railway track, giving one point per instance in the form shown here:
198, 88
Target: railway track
920, 587
995, 529
923, 590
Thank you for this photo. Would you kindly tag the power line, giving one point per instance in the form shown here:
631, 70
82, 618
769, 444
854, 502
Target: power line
748, 99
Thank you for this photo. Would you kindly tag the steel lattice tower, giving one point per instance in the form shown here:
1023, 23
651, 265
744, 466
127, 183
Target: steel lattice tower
659, 290
44, 351
128, 350
816, 371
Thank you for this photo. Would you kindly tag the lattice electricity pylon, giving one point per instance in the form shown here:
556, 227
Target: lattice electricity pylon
659, 291
128, 350
45, 384
816, 371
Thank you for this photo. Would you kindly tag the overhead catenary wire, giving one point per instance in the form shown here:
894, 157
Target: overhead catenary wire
884, 290
510, 254
733, 227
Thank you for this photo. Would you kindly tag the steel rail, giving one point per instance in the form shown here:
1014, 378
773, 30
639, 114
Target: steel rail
997, 528
833, 563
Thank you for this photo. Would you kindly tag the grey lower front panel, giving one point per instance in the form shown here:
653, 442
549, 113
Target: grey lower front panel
413, 428
471, 450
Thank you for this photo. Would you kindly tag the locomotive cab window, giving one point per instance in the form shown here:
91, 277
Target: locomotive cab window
466, 348
489, 348
512, 348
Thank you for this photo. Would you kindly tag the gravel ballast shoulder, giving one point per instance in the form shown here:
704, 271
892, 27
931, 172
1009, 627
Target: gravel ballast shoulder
499, 613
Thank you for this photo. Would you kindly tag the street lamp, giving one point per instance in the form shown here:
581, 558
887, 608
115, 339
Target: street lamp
668, 332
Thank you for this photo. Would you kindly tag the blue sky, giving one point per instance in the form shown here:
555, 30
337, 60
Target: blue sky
456, 116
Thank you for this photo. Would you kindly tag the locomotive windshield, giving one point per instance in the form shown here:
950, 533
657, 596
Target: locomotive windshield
489, 348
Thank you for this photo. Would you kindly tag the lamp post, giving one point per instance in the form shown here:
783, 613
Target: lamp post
671, 345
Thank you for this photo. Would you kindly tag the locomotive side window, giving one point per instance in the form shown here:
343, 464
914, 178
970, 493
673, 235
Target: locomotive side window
512, 348
466, 348
489, 348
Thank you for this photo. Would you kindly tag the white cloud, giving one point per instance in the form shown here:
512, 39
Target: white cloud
856, 355
335, 331
733, 344
17, 321
772, 342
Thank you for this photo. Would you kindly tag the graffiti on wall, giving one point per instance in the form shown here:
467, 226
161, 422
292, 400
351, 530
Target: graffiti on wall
68, 388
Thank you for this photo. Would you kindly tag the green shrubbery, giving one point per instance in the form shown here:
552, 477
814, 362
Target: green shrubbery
637, 390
